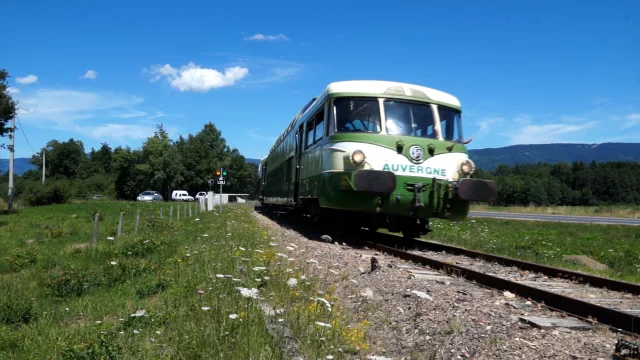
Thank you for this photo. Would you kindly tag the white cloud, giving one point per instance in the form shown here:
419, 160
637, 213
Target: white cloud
13, 90
262, 137
96, 115
261, 37
266, 70
29, 79
547, 133
64, 106
91, 74
632, 120
116, 131
192, 77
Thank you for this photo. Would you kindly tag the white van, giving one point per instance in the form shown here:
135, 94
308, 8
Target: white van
181, 195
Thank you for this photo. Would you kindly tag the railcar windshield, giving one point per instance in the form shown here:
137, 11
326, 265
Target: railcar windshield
357, 115
410, 119
450, 124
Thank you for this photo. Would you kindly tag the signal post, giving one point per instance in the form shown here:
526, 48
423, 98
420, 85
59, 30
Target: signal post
221, 176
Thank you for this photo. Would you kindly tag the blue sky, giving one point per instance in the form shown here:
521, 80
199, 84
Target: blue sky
525, 71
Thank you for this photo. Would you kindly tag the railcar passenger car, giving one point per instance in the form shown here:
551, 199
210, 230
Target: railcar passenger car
374, 154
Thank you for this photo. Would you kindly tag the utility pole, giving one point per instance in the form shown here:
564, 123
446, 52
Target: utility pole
43, 165
12, 150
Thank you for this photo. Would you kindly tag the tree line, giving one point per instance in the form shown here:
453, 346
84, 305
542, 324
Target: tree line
566, 184
159, 165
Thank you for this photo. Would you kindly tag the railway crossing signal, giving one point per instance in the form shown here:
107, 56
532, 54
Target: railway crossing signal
221, 177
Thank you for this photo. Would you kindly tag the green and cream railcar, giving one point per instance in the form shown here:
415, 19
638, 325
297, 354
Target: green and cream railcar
377, 154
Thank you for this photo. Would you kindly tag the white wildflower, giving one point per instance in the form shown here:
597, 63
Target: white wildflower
98, 322
258, 250
197, 219
323, 324
139, 313
248, 293
205, 308
290, 248
136, 331
258, 268
333, 271
205, 235
158, 332
110, 238
292, 282
294, 245
325, 302
329, 356
241, 248
312, 261
233, 316
219, 276
273, 244
303, 277
234, 279
282, 255
113, 263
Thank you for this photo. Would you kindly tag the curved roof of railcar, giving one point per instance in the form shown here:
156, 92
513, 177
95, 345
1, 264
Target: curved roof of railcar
376, 87
391, 88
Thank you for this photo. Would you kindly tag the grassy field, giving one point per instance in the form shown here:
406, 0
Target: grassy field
608, 211
192, 289
616, 246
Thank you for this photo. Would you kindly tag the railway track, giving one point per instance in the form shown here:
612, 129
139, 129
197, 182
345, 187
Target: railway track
593, 299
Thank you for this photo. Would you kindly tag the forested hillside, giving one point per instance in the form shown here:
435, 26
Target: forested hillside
609, 183
160, 164
489, 159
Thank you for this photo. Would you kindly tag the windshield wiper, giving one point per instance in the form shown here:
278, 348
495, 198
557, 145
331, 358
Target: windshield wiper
457, 141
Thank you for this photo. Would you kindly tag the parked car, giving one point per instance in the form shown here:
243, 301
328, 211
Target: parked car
201, 195
181, 195
150, 196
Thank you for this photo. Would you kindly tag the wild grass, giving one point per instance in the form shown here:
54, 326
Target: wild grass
192, 289
621, 211
617, 246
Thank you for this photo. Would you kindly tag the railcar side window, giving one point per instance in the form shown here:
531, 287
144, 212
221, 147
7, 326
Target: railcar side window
450, 123
411, 119
357, 115
315, 128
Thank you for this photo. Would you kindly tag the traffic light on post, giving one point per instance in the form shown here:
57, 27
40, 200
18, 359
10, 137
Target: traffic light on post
217, 172
224, 173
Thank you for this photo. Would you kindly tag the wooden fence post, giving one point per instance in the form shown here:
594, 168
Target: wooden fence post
137, 221
161, 217
96, 228
178, 213
189, 210
120, 223
171, 214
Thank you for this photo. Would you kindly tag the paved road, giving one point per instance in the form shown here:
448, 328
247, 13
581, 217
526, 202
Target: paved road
557, 218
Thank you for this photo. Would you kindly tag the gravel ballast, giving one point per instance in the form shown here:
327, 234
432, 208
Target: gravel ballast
427, 316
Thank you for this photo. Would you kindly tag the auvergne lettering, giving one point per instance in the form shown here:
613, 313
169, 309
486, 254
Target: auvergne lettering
415, 169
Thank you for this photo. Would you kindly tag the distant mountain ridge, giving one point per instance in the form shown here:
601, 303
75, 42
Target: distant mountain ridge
489, 158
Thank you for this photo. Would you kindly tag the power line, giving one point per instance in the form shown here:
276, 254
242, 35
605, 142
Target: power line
24, 134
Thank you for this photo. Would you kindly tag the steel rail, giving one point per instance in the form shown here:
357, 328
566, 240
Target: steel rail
583, 278
582, 309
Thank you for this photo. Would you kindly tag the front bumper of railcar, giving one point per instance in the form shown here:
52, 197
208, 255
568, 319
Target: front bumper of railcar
418, 196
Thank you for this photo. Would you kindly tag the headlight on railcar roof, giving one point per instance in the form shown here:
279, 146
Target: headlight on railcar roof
467, 167
357, 157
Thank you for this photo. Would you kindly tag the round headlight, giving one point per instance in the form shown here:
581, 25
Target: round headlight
357, 157
467, 167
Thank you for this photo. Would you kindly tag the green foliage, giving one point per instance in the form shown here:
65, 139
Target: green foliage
52, 192
104, 348
19, 259
160, 164
7, 105
613, 183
